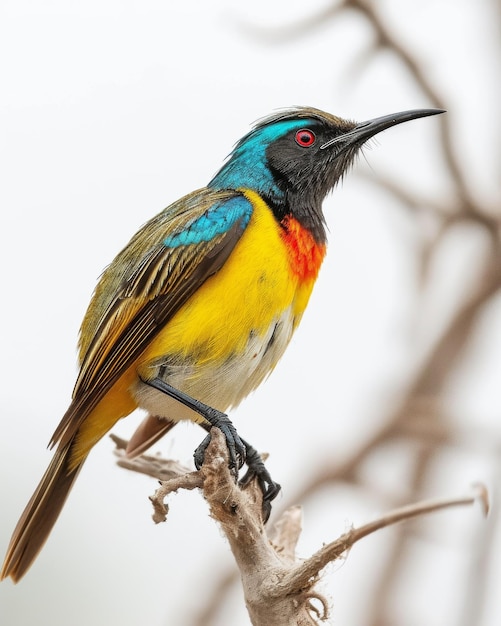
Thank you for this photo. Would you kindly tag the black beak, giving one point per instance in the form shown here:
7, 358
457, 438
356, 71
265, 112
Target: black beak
365, 130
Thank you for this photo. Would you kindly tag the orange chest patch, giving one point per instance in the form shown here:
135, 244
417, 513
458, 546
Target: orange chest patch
305, 254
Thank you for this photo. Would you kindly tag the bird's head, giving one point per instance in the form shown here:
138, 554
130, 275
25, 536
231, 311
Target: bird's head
295, 157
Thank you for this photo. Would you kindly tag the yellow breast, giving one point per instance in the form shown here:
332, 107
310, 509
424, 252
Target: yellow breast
254, 287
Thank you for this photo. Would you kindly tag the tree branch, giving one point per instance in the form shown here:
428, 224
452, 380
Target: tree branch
279, 589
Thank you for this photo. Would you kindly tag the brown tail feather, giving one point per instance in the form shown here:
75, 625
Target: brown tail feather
40, 515
147, 433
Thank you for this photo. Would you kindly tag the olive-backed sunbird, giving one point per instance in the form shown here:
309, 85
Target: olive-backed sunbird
199, 306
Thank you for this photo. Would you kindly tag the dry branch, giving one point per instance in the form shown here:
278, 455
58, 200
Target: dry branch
279, 588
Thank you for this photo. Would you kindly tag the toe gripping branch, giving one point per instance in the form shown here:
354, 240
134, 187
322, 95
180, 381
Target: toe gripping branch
239, 450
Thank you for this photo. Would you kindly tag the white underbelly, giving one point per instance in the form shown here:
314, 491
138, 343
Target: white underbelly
221, 385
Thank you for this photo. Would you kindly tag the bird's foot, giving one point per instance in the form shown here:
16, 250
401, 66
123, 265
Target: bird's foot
236, 447
255, 464
239, 451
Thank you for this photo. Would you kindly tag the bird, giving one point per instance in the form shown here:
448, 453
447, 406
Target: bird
197, 309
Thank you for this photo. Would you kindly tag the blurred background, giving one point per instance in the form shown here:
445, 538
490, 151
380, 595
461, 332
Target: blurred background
390, 391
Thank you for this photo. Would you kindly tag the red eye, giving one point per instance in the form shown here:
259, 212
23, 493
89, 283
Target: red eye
305, 138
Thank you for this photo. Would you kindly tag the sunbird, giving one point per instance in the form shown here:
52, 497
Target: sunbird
197, 309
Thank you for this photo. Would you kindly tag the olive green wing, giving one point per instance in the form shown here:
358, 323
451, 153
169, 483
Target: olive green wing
162, 266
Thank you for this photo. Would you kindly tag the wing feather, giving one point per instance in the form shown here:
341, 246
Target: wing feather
143, 288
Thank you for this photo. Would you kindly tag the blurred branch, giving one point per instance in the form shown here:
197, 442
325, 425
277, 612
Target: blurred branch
386, 39
299, 29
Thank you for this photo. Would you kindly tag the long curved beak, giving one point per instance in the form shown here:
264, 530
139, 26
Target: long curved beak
365, 130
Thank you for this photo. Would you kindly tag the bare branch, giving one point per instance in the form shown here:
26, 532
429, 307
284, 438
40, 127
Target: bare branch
299, 576
278, 589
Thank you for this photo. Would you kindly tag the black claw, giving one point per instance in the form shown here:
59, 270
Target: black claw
236, 448
266, 510
199, 453
257, 469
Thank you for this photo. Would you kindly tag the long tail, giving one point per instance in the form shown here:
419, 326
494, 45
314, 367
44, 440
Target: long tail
40, 514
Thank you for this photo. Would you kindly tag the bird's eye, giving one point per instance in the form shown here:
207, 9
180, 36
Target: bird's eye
305, 138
